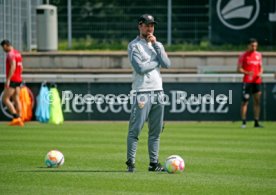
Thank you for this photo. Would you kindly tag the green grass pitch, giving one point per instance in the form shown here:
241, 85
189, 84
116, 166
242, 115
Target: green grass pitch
220, 158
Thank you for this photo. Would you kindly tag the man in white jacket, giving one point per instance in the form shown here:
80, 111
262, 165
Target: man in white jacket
146, 56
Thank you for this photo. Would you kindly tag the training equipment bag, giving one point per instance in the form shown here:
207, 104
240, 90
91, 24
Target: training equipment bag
42, 112
56, 115
26, 104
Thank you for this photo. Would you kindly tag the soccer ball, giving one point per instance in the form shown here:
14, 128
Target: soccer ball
174, 164
54, 158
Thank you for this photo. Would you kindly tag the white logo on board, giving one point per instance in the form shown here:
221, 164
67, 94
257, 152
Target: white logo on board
238, 14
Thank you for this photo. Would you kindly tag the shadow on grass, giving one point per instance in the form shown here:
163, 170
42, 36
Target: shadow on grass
57, 170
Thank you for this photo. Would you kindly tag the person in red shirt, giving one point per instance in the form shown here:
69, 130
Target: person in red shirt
13, 82
250, 64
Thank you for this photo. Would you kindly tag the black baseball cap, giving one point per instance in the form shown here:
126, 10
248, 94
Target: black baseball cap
146, 19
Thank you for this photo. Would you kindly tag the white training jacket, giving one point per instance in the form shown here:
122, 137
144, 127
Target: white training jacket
146, 60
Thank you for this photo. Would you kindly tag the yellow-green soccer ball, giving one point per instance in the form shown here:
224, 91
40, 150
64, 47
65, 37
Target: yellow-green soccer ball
54, 158
174, 164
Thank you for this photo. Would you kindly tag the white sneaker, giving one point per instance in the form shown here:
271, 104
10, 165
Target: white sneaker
243, 126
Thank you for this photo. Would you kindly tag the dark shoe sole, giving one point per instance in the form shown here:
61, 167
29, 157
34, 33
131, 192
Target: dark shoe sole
258, 127
130, 170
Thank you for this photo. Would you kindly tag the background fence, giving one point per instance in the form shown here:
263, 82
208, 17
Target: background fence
111, 21
116, 20
18, 24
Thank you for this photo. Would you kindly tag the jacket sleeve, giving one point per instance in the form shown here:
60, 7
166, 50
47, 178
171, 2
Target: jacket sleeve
139, 66
161, 55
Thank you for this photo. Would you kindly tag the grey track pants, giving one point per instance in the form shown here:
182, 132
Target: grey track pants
146, 106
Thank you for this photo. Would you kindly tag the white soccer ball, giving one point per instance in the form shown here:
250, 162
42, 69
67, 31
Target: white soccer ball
54, 158
174, 164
